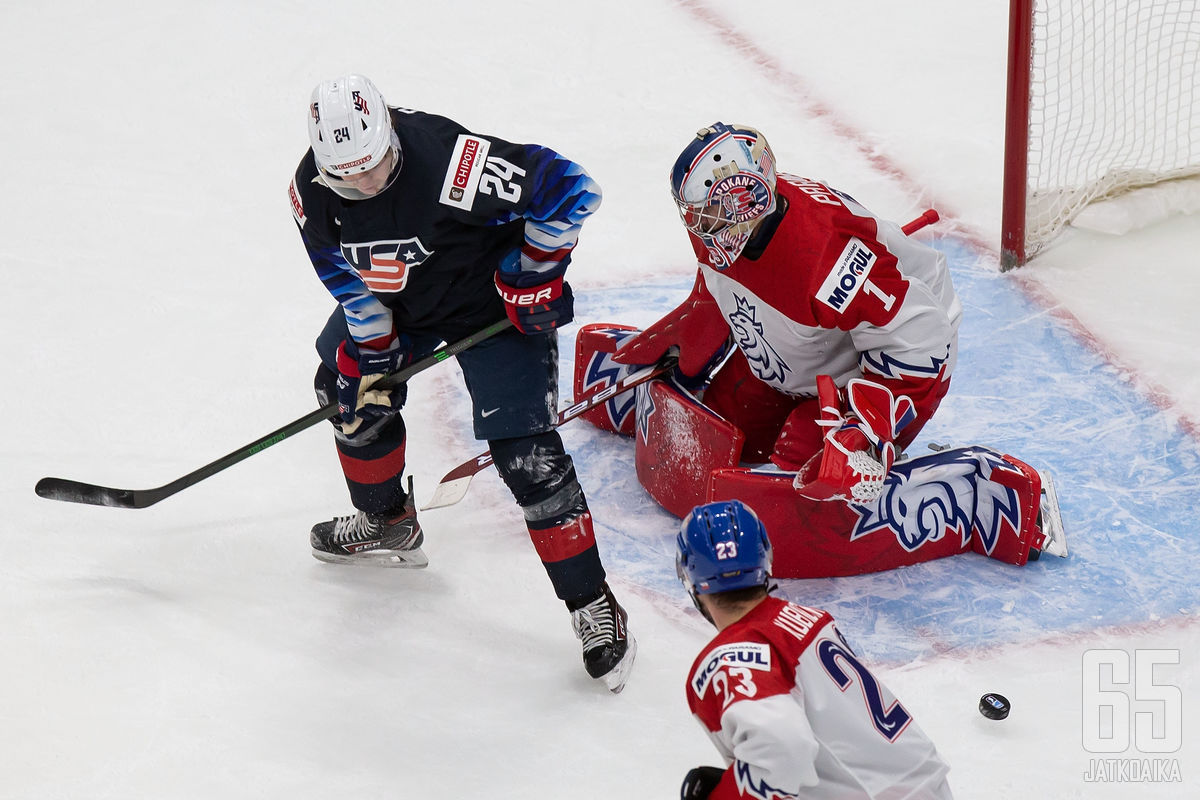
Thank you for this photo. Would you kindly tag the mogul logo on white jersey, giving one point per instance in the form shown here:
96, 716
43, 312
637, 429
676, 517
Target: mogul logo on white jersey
747, 655
848, 275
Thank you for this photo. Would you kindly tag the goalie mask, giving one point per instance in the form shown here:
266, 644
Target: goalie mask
724, 185
350, 128
721, 547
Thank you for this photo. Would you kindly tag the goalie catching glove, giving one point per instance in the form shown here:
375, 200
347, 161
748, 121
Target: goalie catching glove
360, 368
859, 448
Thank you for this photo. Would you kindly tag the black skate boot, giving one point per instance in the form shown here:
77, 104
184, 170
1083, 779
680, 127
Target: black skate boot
371, 539
608, 647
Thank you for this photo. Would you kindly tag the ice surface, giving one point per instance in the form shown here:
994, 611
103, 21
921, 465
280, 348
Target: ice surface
160, 312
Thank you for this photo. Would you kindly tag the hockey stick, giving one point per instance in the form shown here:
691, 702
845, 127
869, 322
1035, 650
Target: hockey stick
91, 494
453, 486
928, 218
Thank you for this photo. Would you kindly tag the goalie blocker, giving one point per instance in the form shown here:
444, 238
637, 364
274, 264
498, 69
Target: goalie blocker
829, 519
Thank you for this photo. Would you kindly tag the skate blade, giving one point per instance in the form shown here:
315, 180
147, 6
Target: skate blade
615, 678
1052, 524
403, 559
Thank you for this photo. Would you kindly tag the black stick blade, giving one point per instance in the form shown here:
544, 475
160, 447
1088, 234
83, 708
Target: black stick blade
88, 493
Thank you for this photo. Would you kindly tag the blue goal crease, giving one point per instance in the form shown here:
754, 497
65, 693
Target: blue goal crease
1127, 478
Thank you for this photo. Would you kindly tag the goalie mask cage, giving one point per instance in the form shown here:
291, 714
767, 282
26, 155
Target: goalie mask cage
1103, 97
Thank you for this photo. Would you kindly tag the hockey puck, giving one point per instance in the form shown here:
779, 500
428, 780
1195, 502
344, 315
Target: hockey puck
994, 706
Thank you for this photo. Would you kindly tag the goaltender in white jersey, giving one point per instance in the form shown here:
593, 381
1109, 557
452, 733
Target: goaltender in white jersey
788, 704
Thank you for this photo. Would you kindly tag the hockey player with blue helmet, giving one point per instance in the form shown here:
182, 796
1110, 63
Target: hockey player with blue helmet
774, 688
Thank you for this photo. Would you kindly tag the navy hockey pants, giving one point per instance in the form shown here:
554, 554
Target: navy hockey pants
512, 379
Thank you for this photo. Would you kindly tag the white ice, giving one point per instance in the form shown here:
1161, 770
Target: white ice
160, 312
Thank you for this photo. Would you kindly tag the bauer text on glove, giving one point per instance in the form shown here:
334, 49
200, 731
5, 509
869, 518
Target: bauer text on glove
538, 308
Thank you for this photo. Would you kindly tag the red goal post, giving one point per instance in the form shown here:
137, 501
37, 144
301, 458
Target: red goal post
1103, 97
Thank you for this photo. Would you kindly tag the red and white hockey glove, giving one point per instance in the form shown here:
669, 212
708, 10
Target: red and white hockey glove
539, 308
859, 448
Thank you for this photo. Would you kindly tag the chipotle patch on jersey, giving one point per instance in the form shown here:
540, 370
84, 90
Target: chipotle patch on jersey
463, 172
848, 275
747, 655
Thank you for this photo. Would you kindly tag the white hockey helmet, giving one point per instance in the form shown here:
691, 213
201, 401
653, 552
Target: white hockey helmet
350, 129
723, 184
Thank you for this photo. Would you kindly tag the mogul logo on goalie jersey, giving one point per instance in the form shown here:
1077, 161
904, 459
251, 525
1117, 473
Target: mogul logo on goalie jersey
816, 343
425, 232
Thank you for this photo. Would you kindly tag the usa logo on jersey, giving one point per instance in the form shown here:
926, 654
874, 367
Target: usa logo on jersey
384, 266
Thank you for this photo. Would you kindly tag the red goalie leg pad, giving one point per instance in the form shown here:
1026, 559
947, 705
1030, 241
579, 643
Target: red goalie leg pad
564, 540
997, 537
595, 370
679, 442
759, 412
823, 539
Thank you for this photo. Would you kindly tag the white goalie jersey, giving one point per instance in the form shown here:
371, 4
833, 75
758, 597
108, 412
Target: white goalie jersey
797, 715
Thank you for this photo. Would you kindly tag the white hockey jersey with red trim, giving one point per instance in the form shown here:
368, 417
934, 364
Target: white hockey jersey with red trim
837, 291
796, 714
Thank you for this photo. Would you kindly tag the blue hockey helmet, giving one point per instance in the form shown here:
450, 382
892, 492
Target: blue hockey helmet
723, 184
722, 546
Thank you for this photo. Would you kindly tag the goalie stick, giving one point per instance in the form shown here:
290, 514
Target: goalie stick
76, 492
453, 486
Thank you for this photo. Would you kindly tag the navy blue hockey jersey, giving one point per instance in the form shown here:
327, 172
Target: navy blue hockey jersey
422, 255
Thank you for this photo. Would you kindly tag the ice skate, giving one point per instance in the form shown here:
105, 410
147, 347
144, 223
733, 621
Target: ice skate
608, 647
371, 539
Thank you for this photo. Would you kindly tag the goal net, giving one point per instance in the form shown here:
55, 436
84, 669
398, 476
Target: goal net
1103, 97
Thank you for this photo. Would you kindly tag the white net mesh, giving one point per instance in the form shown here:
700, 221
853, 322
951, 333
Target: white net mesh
1115, 103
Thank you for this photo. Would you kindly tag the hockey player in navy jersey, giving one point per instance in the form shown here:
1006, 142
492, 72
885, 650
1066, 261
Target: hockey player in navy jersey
790, 707
425, 232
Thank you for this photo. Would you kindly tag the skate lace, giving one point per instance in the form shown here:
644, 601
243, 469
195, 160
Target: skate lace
593, 623
355, 528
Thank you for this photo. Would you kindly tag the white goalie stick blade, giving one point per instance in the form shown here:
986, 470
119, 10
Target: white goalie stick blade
1052, 524
453, 486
